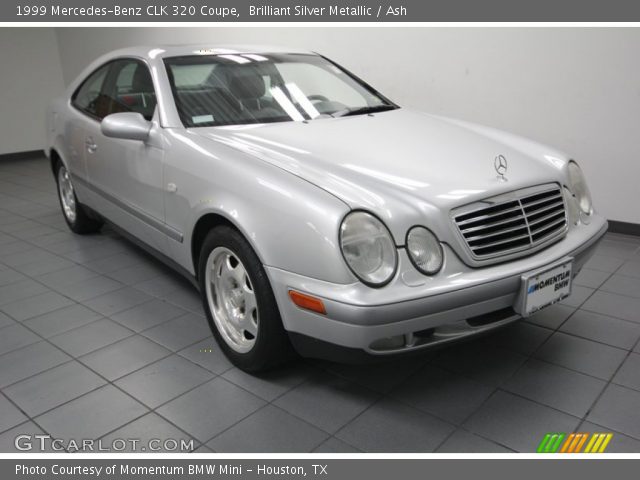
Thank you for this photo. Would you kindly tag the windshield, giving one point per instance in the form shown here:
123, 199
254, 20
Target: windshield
238, 89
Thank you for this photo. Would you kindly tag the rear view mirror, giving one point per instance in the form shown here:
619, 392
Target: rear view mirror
127, 125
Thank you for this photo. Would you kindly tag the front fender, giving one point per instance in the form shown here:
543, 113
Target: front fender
291, 224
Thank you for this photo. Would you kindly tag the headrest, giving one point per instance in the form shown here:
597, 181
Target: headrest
246, 84
141, 81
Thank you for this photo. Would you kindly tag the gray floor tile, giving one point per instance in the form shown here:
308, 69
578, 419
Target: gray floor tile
67, 276
10, 416
135, 273
557, 387
270, 385
551, 317
154, 434
123, 357
582, 355
9, 276
179, 332
390, 426
19, 290
517, 423
604, 263
92, 415
591, 278
630, 268
270, 429
617, 249
34, 255
187, 298
163, 285
163, 380
327, 401
117, 301
444, 394
578, 296
521, 337
113, 262
601, 328
629, 373
333, 445
208, 355
15, 336
54, 387
147, 315
211, 408
462, 441
87, 289
27, 361
619, 443
622, 285
619, 306
618, 409
486, 363
90, 337
86, 255
203, 449
62, 320
36, 305
25, 445
48, 266
5, 320
380, 377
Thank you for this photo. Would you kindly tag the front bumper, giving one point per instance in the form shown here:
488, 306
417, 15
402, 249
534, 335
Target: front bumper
414, 311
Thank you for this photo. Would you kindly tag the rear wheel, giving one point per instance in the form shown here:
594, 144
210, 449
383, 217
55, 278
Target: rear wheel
239, 302
74, 213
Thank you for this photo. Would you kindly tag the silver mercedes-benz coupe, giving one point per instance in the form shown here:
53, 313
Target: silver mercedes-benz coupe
310, 210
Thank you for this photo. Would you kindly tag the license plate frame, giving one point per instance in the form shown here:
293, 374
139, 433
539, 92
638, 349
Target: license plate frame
532, 299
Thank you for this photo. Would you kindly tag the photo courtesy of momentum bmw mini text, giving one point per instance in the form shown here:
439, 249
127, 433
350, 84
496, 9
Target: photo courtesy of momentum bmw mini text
345, 239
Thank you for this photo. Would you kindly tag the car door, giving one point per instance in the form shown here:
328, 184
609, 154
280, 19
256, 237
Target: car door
126, 176
86, 101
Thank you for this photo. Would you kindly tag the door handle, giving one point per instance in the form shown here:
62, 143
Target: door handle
91, 146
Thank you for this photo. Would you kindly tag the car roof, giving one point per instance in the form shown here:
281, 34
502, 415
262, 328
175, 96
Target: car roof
164, 51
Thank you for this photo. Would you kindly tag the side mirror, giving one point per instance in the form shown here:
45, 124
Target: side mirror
127, 125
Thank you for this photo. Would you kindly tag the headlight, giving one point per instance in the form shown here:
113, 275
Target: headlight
368, 248
572, 206
579, 189
424, 250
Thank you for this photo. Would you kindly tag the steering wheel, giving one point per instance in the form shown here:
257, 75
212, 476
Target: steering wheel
317, 98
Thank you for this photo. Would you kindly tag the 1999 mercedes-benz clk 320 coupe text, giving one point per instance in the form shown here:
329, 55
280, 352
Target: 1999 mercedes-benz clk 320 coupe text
311, 210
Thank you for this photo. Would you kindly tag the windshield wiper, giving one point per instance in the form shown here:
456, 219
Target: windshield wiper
363, 110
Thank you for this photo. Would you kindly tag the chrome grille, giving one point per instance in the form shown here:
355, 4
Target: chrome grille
517, 224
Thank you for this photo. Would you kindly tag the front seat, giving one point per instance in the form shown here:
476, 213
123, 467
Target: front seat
247, 85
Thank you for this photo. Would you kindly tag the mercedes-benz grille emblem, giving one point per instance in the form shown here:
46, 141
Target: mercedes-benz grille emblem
500, 164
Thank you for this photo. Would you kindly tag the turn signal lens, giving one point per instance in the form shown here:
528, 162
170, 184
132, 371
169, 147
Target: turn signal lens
307, 302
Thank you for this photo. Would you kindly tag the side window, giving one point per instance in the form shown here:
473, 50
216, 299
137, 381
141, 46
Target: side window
89, 98
131, 89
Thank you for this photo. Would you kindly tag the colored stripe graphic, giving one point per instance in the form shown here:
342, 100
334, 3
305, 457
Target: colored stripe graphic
550, 443
574, 442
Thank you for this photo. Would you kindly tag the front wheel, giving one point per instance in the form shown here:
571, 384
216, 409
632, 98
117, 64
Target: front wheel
74, 213
239, 302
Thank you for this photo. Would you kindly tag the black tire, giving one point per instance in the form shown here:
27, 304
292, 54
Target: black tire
272, 347
83, 224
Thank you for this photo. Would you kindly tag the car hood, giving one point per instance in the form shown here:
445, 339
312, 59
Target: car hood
397, 159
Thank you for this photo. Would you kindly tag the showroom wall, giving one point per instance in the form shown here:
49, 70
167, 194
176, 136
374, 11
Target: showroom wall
30, 76
576, 89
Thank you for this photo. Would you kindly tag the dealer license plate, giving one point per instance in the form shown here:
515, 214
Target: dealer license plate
545, 287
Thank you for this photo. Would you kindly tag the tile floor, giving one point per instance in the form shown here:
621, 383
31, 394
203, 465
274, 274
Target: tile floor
100, 341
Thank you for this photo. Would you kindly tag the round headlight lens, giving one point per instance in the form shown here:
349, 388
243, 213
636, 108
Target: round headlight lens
368, 248
424, 250
572, 206
578, 186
